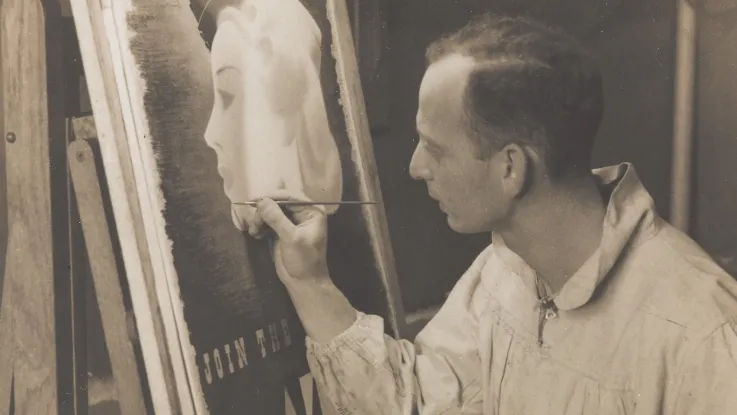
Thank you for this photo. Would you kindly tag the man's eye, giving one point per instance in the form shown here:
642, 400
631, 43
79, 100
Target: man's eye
434, 151
227, 98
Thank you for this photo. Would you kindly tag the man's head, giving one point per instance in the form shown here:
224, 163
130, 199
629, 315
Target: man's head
505, 104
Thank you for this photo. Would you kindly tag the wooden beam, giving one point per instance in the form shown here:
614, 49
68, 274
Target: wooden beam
683, 117
29, 277
6, 351
106, 278
3, 195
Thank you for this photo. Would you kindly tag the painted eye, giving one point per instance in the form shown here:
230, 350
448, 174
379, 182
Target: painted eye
228, 85
226, 98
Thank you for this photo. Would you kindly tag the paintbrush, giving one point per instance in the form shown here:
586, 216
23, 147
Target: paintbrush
310, 203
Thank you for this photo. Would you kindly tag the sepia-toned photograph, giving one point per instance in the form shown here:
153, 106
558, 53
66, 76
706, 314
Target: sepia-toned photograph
323, 207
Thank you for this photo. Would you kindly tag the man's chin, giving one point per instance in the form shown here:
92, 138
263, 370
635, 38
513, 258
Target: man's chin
463, 227
456, 225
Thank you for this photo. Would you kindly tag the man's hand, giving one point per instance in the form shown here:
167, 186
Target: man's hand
300, 255
300, 246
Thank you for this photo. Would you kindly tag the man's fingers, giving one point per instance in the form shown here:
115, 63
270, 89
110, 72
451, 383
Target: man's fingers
273, 216
300, 212
287, 194
306, 213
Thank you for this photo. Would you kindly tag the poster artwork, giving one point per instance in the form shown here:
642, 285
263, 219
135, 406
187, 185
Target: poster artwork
269, 124
230, 101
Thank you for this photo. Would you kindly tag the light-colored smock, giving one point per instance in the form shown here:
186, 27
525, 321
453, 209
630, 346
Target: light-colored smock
647, 326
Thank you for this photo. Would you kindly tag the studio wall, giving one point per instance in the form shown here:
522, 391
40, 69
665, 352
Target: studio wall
715, 186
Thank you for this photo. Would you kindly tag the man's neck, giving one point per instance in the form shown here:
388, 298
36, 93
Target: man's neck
558, 230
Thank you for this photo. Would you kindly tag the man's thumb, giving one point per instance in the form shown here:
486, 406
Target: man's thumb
273, 216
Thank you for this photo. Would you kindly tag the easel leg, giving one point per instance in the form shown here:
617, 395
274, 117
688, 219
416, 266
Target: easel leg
29, 273
6, 351
106, 278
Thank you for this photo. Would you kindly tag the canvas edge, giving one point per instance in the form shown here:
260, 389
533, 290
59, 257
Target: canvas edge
97, 61
357, 126
153, 202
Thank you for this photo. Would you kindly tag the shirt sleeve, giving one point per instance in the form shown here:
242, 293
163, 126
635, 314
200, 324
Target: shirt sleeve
365, 371
709, 378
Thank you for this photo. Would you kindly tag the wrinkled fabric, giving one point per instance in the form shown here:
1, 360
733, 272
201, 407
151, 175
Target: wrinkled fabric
647, 326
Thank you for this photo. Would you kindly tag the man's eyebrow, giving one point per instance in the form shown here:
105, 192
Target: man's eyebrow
426, 137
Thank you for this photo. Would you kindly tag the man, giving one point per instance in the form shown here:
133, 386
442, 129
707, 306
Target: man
586, 302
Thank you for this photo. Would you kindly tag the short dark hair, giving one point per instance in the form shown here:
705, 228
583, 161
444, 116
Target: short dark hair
533, 85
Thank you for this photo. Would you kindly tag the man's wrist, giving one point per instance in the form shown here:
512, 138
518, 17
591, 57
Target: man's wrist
324, 311
317, 281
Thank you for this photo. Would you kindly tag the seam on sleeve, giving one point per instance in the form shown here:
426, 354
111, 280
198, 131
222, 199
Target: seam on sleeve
361, 325
689, 358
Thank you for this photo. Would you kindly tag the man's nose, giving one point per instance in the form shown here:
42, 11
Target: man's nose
417, 168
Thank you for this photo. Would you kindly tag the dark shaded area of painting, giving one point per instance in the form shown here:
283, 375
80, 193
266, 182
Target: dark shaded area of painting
350, 256
226, 279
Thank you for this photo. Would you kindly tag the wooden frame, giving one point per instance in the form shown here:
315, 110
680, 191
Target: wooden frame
28, 355
125, 385
115, 86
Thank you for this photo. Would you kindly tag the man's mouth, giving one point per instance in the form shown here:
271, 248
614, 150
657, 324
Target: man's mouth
435, 198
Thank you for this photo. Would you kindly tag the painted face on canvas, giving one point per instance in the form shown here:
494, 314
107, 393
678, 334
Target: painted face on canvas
466, 187
269, 125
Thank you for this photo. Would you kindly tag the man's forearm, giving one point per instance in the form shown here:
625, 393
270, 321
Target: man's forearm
324, 311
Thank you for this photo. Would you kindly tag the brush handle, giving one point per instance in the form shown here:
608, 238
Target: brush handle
303, 203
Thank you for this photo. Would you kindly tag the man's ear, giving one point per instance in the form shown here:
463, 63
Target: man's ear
516, 169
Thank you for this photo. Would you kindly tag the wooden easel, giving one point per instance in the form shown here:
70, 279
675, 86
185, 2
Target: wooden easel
37, 260
27, 326
125, 386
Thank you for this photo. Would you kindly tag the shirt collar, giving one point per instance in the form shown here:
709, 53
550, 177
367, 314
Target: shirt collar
630, 217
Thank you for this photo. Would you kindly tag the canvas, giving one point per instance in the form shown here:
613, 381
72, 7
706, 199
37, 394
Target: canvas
222, 102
